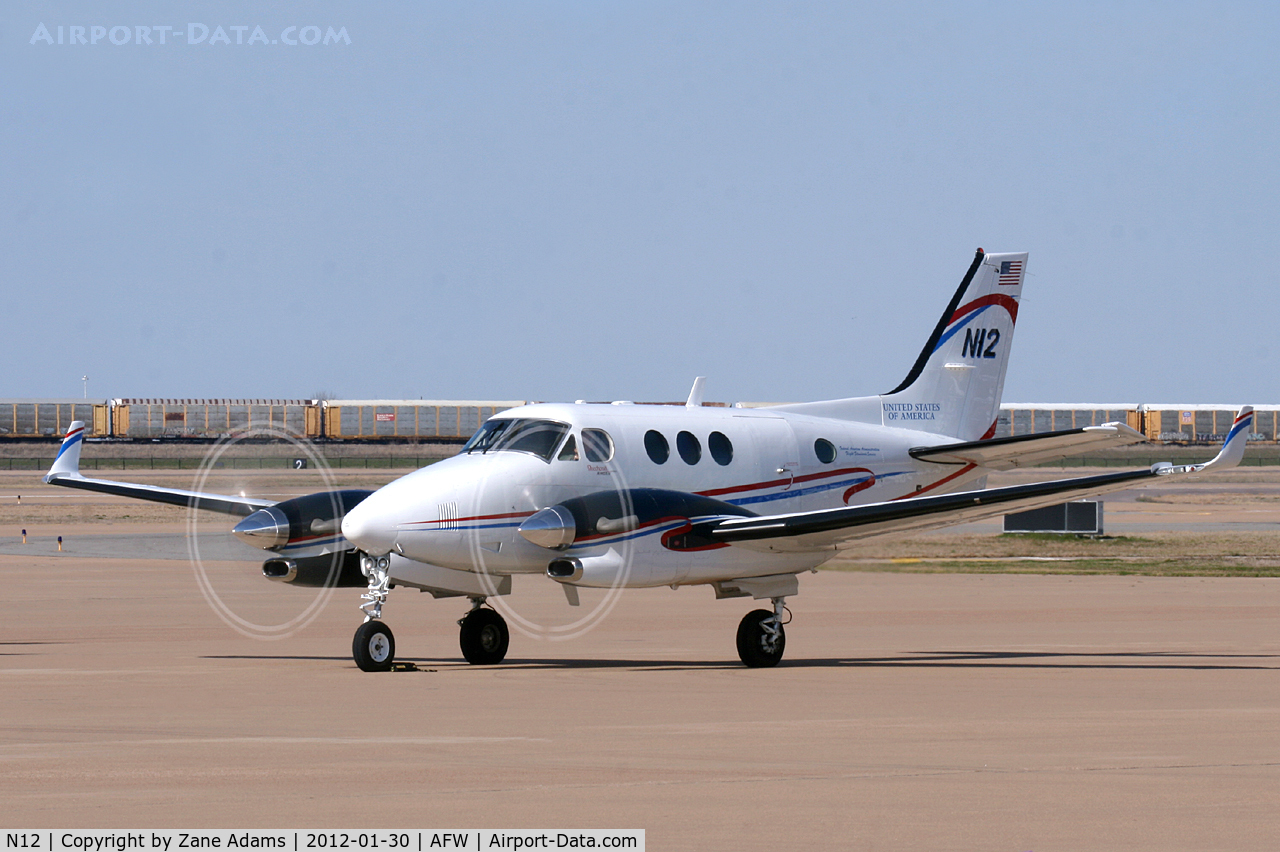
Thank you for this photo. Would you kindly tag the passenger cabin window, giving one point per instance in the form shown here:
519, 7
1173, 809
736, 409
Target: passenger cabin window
656, 446
720, 447
824, 450
597, 444
569, 452
688, 447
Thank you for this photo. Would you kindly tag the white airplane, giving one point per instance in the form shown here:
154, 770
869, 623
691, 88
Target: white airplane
627, 496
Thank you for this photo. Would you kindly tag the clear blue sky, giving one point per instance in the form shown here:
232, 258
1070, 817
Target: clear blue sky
603, 200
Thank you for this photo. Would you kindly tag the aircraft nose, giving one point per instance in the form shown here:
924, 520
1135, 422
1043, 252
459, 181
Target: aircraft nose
368, 530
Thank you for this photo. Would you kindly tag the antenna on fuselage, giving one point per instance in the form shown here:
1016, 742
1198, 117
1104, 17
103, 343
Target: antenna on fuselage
695, 395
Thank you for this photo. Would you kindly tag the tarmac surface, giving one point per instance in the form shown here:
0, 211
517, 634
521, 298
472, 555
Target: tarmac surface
910, 712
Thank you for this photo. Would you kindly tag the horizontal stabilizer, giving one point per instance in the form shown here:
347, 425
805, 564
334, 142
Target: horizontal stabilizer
1030, 449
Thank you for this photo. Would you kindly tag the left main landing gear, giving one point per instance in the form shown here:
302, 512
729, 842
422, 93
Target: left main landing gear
761, 639
483, 636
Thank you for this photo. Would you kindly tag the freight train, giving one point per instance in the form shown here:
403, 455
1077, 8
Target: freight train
209, 419
381, 420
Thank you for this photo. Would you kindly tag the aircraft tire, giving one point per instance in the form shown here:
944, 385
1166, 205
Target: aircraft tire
484, 637
373, 648
753, 641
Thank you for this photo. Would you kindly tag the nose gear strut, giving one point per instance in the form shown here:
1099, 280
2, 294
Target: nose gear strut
377, 570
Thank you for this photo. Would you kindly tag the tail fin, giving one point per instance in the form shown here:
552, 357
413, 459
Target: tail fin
68, 461
955, 385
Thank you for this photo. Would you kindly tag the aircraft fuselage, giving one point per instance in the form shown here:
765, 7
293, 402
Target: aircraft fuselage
465, 513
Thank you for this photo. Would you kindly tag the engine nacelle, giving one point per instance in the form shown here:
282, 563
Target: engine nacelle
599, 572
611, 512
313, 517
333, 569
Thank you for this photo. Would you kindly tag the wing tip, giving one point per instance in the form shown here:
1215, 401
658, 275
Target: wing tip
1232, 452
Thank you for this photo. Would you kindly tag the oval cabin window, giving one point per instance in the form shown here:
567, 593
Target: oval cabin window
689, 448
656, 446
720, 447
824, 450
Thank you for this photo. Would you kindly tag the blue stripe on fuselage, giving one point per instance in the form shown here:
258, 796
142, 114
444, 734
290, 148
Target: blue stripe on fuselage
812, 489
739, 501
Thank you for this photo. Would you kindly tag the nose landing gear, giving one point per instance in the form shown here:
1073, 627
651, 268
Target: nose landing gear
374, 647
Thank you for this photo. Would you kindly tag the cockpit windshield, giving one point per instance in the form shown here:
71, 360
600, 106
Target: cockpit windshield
485, 437
537, 437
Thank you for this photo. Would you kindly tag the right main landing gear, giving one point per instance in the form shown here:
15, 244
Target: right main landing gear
761, 639
484, 636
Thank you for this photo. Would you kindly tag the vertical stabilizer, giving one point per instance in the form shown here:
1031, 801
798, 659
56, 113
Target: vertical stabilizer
955, 384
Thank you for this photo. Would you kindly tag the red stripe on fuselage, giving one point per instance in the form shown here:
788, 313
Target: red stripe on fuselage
472, 518
861, 486
716, 492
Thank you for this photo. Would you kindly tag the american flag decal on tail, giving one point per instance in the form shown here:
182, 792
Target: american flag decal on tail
1010, 272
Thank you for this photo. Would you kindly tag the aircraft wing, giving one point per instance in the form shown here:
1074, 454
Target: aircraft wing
828, 529
1030, 449
66, 471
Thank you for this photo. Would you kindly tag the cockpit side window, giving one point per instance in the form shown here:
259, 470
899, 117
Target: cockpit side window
486, 436
537, 437
569, 452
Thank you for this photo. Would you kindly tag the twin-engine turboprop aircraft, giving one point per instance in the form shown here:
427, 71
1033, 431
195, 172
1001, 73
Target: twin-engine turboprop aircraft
624, 496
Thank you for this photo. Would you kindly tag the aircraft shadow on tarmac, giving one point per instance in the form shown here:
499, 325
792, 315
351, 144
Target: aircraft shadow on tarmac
1148, 660
32, 645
